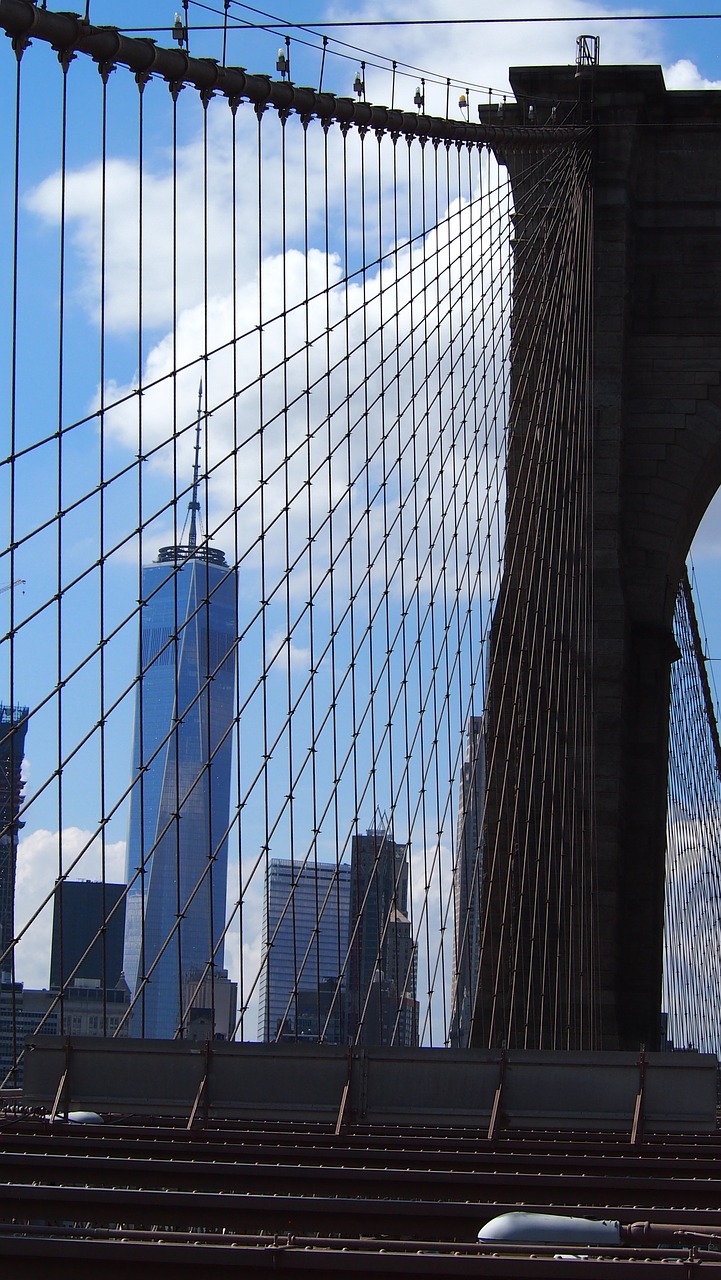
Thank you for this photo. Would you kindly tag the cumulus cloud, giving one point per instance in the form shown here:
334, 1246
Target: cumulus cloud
684, 74
187, 225
198, 216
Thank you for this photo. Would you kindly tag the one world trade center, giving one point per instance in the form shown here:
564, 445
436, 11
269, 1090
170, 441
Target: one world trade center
177, 840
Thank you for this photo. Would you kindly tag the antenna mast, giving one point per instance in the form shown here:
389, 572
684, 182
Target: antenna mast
198, 545
194, 505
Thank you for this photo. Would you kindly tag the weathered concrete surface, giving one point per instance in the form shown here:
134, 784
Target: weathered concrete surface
656, 406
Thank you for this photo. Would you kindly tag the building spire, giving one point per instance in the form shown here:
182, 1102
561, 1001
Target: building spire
196, 548
194, 505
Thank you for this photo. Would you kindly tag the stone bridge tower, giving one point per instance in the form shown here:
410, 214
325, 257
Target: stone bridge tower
652, 460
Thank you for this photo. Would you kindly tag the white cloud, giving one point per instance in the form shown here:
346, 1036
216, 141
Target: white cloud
192, 213
684, 74
283, 652
176, 214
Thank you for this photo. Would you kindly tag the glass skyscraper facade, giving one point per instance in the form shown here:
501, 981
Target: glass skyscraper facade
305, 939
177, 841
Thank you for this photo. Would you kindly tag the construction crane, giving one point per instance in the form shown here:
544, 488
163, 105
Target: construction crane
16, 582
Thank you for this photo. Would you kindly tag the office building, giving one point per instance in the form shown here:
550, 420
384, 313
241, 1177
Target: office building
85, 1009
23, 1013
210, 1005
13, 727
381, 999
88, 993
305, 940
318, 1010
179, 809
467, 886
88, 933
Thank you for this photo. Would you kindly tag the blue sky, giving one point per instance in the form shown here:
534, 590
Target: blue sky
476, 57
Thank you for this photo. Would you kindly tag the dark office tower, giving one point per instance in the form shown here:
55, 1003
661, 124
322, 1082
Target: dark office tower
467, 885
81, 947
13, 727
179, 809
381, 999
305, 940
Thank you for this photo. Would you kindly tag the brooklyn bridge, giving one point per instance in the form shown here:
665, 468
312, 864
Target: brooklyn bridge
359, 862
